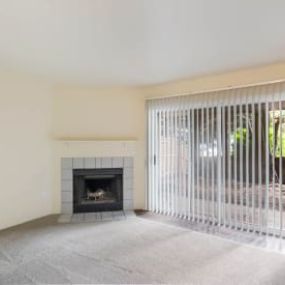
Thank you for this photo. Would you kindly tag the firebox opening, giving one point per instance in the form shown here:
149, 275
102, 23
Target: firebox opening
97, 190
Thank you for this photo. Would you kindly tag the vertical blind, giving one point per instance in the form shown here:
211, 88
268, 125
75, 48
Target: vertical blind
218, 158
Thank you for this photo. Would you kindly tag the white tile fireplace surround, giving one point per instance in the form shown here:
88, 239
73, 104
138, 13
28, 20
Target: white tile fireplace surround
68, 164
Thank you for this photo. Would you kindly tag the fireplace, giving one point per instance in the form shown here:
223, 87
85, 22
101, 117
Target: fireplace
97, 190
73, 184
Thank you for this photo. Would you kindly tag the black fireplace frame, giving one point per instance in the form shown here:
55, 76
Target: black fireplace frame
79, 174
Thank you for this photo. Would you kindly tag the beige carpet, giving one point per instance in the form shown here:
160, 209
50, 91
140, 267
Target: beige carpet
134, 250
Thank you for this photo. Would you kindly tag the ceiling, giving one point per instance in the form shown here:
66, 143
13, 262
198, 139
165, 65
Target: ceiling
138, 42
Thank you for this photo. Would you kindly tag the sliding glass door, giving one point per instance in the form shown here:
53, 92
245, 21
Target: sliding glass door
218, 158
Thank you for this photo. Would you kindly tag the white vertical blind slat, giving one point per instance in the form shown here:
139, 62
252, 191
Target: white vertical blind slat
229, 184
202, 166
193, 165
189, 165
197, 164
253, 166
247, 168
267, 165
280, 167
260, 190
235, 169
219, 162
241, 165
224, 164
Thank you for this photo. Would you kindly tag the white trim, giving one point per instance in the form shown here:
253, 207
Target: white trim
213, 90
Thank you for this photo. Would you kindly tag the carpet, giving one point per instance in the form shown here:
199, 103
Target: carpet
130, 251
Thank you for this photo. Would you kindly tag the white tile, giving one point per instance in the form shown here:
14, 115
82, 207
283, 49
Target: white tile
77, 218
117, 162
90, 217
107, 216
66, 185
78, 162
118, 215
89, 162
66, 208
129, 213
128, 162
128, 173
128, 204
128, 194
65, 218
66, 163
98, 216
106, 162
66, 197
66, 174
128, 183
98, 162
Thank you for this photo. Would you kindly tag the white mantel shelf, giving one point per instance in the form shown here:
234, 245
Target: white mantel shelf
94, 140
87, 147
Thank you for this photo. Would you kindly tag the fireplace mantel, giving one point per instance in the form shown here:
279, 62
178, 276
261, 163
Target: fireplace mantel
88, 147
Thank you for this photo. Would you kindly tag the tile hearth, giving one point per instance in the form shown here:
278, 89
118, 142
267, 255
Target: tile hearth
95, 217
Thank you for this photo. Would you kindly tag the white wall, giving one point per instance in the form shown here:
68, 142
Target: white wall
111, 115
236, 78
25, 149
35, 117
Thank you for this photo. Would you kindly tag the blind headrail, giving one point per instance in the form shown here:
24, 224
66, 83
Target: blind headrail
230, 87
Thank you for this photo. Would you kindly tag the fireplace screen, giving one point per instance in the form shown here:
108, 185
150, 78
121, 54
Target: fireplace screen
97, 190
